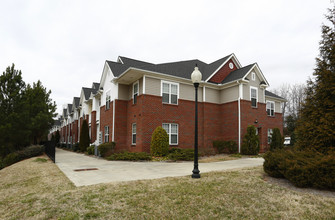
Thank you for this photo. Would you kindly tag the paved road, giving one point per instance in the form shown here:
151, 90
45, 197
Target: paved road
104, 171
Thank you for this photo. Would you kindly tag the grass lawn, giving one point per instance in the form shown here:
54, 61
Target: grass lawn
37, 189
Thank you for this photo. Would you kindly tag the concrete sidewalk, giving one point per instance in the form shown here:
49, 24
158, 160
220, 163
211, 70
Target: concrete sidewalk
104, 171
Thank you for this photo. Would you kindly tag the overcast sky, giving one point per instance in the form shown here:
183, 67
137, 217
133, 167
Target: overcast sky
65, 43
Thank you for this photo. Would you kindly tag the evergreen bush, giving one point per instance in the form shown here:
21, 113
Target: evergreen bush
219, 145
225, 147
277, 141
130, 156
303, 168
176, 154
84, 141
159, 142
90, 150
250, 144
106, 149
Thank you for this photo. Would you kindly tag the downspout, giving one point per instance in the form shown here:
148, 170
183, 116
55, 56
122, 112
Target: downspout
113, 120
240, 93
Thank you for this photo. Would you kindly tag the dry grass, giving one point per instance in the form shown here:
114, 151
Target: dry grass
219, 157
37, 190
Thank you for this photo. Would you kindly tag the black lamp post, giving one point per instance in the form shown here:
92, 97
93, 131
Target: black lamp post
196, 79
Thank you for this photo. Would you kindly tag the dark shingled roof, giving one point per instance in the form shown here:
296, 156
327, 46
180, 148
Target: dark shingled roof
57, 122
267, 93
181, 69
76, 101
64, 112
237, 74
87, 92
69, 107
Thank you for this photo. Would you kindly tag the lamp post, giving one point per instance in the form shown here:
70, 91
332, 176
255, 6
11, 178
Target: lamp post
196, 79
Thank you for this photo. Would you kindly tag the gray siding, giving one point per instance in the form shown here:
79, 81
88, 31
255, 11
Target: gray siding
229, 94
212, 95
246, 89
123, 92
152, 86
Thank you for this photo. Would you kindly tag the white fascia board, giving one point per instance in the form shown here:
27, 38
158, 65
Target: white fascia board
235, 60
260, 72
104, 73
120, 60
270, 98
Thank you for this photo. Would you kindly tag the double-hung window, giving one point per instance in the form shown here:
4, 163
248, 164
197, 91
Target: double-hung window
108, 99
170, 93
269, 135
270, 108
106, 134
135, 92
172, 130
253, 96
133, 134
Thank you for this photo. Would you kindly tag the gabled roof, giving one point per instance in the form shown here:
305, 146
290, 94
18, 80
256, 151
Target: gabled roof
64, 112
57, 122
268, 93
132, 62
75, 102
237, 74
87, 92
69, 108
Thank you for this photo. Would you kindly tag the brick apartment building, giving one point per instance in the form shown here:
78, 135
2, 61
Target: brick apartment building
134, 97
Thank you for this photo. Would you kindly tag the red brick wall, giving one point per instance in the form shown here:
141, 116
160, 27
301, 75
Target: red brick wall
223, 73
93, 126
264, 122
106, 119
75, 131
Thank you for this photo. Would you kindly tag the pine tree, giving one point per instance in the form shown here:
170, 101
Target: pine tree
316, 126
159, 145
84, 141
13, 114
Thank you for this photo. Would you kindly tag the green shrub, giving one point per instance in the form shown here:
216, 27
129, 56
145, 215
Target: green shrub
31, 151
250, 145
208, 151
130, 156
11, 159
84, 140
277, 141
75, 147
181, 154
225, 146
219, 145
303, 168
90, 150
106, 149
159, 142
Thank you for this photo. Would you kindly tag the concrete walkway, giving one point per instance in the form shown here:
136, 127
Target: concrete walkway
103, 171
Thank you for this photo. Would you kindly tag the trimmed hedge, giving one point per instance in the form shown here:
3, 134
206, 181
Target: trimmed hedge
181, 154
226, 146
28, 152
131, 156
303, 168
106, 149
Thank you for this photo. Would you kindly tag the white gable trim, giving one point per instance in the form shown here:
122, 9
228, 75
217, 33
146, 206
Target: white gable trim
233, 58
258, 73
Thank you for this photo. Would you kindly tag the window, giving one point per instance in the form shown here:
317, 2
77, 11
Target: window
170, 93
269, 135
270, 108
253, 77
108, 99
253, 96
172, 130
106, 134
133, 134
135, 92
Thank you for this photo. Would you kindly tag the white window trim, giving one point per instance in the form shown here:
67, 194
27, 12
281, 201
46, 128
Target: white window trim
253, 76
169, 134
270, 132
170, 83
271, 102
108, 98
251, 87
106, 134
132, 134
137, 92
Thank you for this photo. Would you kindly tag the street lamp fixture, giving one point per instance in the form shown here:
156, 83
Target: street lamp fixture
196, 79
